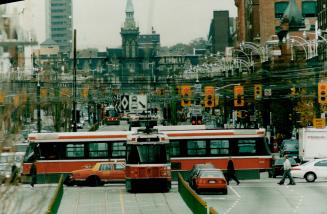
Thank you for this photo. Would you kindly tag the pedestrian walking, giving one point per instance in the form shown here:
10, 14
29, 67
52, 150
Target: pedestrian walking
33, 174
231, 172
287, 172
14, 173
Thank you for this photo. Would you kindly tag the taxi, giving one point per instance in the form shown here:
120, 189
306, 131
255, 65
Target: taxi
210, 180
99, 174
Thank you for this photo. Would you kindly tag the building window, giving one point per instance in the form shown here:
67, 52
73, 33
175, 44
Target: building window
280, 8
309, 8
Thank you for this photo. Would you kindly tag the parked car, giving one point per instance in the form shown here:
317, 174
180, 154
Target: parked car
290, 147
311, 170
196, 168
210, 180
99, 174
277, 167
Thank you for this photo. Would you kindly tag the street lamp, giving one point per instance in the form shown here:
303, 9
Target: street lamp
307, 54
256, 48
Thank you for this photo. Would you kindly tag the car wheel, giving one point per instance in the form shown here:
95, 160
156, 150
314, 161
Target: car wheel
93, 181
310, 177
198, 191
225, 191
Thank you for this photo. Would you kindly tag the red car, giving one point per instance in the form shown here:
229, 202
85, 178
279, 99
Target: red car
99, 174
210, 180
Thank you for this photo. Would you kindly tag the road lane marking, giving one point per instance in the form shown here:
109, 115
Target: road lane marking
236, 193
122, 205
77, 201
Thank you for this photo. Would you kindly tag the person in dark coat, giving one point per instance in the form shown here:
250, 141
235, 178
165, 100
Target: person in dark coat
231, 172
33, 174
14, 173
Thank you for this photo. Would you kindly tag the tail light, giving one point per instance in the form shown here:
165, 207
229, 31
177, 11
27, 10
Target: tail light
199, 181
163, 173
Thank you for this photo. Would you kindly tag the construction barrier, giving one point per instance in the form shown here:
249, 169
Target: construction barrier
193, 201
55, 201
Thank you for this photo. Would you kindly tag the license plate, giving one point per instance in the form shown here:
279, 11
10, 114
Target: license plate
212, 182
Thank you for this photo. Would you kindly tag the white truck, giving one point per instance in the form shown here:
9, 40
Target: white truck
312, 143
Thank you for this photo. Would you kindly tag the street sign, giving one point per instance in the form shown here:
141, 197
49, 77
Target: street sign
319, 123
138, 103
124, 102
198, 88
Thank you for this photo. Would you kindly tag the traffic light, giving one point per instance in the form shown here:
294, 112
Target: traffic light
209, 97
186, 93
322, 92
238, 96
196, 120
257, 91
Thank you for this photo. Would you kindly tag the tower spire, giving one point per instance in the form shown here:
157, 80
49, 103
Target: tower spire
129, 20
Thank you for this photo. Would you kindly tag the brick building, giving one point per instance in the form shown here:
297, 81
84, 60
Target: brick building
259, 20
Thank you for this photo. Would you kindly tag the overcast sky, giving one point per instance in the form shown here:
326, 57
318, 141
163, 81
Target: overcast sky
98, 22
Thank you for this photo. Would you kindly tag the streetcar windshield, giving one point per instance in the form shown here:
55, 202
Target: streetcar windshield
147, 154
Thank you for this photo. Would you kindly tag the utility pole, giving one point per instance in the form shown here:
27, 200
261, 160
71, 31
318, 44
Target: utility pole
38, 89
74, 87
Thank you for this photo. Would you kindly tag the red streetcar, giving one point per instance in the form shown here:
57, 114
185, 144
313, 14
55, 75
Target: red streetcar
147, 161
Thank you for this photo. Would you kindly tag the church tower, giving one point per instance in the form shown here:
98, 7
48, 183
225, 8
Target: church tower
129, 33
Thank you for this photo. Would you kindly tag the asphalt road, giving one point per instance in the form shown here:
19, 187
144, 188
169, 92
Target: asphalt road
266, 196
113, 198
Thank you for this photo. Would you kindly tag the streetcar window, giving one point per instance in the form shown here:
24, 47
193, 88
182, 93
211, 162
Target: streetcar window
196, 147
246, 146
219, 147
175, 149
48, 151
118, 149
75, 150
98, 150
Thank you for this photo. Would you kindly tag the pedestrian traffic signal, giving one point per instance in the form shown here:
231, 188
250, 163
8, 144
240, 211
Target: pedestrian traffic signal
209, 97
322, 92
186, 93
238, 96
257, 91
